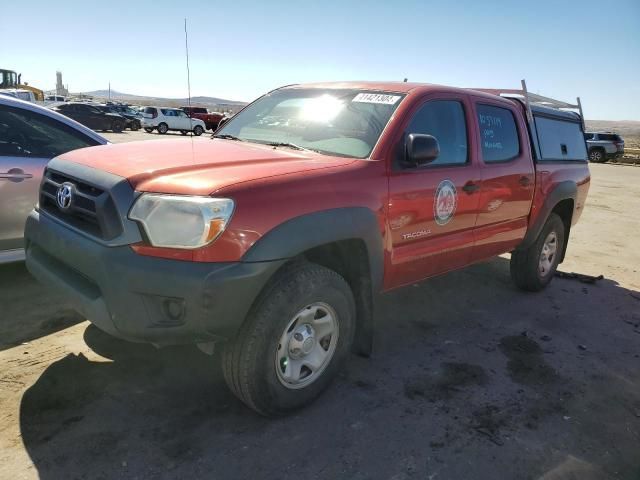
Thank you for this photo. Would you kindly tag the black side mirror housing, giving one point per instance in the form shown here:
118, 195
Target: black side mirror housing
421, 149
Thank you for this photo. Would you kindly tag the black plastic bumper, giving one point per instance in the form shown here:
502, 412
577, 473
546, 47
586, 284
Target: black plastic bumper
141, 298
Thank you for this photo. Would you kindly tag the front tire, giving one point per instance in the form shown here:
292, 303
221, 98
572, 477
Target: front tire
198, 130
135, 126
533, 268
163, 128
294, 341
117, 126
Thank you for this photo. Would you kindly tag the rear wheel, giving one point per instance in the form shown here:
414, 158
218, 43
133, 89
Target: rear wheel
294, 341
597, 155
135, 126
163, 128
198, 130
533, 268
148, 130
117, 126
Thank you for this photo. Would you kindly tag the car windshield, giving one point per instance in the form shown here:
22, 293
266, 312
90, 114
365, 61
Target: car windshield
330, 121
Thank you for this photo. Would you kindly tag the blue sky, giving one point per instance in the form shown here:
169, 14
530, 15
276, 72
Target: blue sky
240, 49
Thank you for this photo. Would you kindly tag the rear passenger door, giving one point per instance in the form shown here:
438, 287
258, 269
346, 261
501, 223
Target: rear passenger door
508, 177
433, 208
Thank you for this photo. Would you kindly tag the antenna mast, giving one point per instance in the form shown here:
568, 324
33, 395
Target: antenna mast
186, 48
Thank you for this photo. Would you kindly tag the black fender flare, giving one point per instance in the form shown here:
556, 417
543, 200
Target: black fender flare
303, 233
566, 190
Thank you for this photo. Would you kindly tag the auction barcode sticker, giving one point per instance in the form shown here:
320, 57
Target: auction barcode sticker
376, 98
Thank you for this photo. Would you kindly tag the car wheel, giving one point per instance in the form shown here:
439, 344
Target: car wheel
148, 130
135, 126
198, 130
163, 128
293, 342
597, 155
117, 126
533, 268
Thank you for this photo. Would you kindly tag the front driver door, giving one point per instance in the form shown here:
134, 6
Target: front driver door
433, 208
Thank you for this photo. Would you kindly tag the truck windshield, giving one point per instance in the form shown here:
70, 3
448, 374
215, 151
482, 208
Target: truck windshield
331, 121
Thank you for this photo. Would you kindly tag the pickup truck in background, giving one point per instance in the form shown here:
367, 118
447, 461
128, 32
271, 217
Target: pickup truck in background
210, 119
274, 238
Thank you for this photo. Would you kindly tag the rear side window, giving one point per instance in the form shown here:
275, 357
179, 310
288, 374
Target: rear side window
444, 119
28, 134
588, 136
498, 134
150, 110
560, 140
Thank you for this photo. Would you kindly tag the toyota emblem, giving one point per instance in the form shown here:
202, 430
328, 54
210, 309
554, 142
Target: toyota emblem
65, 196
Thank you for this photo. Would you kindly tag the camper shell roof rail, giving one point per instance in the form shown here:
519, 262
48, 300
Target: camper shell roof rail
530, 99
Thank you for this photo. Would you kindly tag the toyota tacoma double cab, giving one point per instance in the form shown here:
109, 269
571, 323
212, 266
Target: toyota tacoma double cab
274, 238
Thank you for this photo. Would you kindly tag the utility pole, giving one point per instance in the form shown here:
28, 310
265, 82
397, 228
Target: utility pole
109, 90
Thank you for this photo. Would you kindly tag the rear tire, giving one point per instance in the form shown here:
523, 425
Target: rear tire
163, 128
148, 130
198, 130
135, 126
266, 365
117, 126
533, 268
597, 155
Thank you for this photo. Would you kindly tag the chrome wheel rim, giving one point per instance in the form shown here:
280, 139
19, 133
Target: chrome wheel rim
548, 254
307, 345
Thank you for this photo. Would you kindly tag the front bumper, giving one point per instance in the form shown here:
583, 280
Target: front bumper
140, 298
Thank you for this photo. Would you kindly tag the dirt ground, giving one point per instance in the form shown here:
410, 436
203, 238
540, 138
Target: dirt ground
471, 379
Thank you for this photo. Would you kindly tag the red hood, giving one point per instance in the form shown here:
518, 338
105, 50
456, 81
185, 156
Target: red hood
197, 166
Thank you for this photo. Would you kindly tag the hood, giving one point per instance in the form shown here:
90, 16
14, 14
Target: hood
197, 166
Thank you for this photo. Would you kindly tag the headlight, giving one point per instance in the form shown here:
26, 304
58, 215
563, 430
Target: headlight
176, 221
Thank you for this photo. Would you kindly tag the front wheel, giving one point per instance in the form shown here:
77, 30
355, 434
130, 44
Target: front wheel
135, 126
198, 130
117, 126
293, 342
533, 268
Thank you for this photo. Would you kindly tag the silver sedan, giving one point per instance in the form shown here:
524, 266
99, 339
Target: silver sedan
30, 136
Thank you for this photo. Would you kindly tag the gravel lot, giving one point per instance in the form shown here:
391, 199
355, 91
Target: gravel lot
471, 379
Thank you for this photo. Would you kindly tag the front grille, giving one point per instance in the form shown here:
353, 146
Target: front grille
92, 209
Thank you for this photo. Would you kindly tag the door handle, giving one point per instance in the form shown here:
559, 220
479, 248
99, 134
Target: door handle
471, 187
524, 181
15, 175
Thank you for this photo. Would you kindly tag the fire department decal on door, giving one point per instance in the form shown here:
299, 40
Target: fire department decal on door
445, 202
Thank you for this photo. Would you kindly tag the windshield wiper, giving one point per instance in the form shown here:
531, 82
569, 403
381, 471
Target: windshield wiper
288, 144
226, 136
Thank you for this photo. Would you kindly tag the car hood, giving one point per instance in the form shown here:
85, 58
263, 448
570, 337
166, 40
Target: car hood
198, 166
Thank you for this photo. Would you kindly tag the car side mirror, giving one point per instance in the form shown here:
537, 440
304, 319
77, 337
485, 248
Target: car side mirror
421, 149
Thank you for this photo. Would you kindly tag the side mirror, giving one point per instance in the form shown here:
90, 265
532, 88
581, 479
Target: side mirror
421, 149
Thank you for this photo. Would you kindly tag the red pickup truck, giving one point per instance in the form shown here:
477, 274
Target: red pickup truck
211, 120
275, 237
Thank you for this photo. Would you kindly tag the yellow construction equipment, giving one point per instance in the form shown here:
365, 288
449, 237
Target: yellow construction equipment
10, 79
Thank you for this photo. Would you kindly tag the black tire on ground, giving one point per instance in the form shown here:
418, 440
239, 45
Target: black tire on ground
135, 126
249, 361
198, 130
597, 155
148, 130
117, 126
163, 128
526, 265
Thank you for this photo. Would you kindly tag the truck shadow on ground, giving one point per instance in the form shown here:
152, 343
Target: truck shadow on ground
19, 292
470, 377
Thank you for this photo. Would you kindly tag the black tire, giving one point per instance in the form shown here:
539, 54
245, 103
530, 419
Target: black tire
249, 361
148, 130
198, 130
525, 264
163, 128
597, 155
117, 126
135, 126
